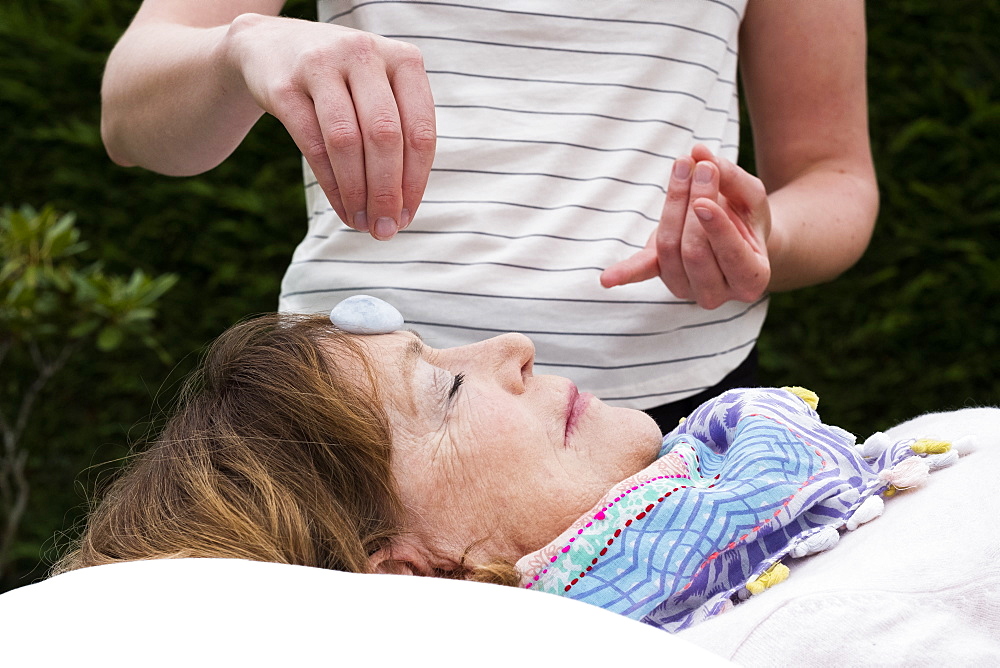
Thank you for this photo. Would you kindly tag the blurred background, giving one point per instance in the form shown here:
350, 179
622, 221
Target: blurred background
914, 327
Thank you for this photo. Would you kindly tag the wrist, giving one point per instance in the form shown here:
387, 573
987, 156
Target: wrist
777, 244
240, 42
234, 50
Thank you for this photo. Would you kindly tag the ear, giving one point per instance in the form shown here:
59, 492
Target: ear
401, 558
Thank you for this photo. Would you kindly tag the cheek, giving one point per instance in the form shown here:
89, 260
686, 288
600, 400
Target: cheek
490, 416
483, 437
498, 442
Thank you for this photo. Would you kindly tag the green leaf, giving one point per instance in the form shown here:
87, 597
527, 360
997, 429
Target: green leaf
61, 238
110, 338
138, 315
19, 226
82, 329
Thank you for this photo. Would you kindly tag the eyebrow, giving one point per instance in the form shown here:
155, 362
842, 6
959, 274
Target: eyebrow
413, 352
414, 349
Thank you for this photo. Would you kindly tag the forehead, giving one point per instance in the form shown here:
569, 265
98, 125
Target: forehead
362, 357
384, 364
402, 346
393, 357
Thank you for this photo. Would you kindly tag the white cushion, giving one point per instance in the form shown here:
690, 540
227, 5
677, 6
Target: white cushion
228, 612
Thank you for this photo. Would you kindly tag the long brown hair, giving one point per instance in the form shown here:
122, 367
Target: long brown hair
274, 454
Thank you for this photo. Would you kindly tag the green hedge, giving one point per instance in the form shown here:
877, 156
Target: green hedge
915, 326
228, 234
912, 328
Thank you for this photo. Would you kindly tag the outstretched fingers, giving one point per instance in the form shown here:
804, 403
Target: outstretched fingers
711, 242
362, 113
381, 139
747, 197
358, 106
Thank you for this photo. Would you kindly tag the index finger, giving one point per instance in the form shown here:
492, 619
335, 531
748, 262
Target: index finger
641, 266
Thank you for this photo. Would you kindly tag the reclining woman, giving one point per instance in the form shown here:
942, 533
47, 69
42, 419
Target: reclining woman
296, 442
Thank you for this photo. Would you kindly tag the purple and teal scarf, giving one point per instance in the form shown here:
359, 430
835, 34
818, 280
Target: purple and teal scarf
747, 479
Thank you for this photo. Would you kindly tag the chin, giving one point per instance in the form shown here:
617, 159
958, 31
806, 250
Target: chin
641, 429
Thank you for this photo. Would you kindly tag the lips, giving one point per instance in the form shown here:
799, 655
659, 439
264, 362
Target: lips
576, 405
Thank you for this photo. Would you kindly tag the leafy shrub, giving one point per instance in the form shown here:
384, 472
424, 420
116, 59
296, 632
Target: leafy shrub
51, 308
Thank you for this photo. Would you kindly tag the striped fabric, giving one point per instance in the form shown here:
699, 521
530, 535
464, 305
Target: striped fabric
747, 478
558, 124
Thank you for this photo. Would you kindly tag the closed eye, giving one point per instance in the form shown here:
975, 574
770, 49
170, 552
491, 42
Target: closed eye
457, 383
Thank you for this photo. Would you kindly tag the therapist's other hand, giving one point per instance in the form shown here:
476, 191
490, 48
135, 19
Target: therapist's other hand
711, 243
357, 105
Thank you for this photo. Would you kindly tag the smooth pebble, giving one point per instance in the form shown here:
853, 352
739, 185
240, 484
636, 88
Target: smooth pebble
363, 314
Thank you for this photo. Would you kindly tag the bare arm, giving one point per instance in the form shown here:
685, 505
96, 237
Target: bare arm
803, 69
725, 234
189, 78
171, 100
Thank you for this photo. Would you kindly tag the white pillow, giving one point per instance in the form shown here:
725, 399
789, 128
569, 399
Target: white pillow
229, 612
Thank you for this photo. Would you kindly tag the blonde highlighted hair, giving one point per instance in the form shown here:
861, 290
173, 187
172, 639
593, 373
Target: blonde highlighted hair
273, 454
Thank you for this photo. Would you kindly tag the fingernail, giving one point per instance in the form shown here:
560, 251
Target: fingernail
682, 170
404, 219
702, 173
703, 213
385, 228
361, 221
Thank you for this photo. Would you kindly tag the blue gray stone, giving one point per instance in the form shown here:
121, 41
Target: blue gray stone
362, 314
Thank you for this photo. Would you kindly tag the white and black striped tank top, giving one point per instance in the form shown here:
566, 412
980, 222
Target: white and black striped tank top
558, 123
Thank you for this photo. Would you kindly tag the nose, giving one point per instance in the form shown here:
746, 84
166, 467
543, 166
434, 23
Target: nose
513, 356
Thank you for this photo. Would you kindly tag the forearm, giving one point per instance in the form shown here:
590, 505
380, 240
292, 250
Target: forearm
172, 101
803, 70
821, 223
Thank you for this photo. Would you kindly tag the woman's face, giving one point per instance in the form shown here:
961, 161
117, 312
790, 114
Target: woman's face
491, 457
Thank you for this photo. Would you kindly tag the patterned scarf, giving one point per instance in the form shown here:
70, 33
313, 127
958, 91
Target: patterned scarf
748, 478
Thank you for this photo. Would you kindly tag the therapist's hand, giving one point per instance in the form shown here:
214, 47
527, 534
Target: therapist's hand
711, 243
357, 105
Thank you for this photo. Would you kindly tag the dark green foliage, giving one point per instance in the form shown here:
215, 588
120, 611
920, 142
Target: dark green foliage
915, 326
52, 308
912, 328
228, 234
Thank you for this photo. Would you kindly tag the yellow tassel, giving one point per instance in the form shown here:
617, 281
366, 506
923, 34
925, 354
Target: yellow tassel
890, 491
682, 421
776, 574
929, 446
805, 395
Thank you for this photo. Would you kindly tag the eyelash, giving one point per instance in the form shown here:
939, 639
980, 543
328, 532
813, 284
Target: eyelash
457, 383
